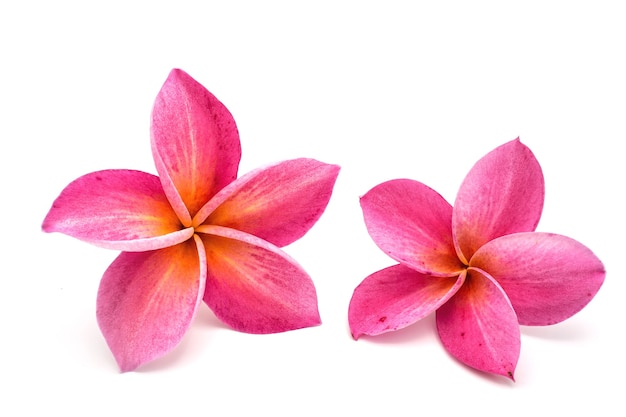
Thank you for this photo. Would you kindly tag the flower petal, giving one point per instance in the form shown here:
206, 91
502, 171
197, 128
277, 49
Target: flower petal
195, 143
412, 223
478, 326
547, 277
502, 194
396, 297
147, 300
255, 287
278, 203
117, 209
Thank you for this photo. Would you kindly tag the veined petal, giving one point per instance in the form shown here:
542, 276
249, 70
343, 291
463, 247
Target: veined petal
503, 193
147, 300
396, 297
195, 143
117, 209
547, 277
478, 326
278, 203
255, 287
412, 223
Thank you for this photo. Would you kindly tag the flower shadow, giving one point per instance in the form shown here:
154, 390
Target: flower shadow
565, 331
494, 379
193, 343
425, 328
205, 318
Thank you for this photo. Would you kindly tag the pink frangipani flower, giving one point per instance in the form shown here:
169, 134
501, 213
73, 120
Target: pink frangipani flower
196, 232
479, 264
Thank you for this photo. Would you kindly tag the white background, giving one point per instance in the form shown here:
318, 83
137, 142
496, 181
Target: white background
386, 90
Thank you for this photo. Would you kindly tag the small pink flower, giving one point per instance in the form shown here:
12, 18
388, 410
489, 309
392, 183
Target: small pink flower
196, 232
478, 264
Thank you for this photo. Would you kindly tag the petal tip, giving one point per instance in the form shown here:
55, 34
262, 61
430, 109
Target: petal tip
126, 367
177, 73
46, 227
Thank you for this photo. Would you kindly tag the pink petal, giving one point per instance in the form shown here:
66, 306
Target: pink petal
547, 277
117, 209
255, 287
502, 194
278, 203
478, 326
195, 143
412, 223
396, 297
147, 300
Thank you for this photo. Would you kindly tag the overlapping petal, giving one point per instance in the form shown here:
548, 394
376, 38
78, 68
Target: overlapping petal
195, 143
503, 193
547, 277
396, 297
117, 209
278, 203
255, 287
478, 326
412, 223
147, 300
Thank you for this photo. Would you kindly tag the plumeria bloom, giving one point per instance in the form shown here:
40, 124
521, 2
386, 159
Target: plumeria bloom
196, 232
479, 264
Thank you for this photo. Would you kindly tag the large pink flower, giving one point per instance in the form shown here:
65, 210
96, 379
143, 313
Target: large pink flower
479, 264
196, 232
